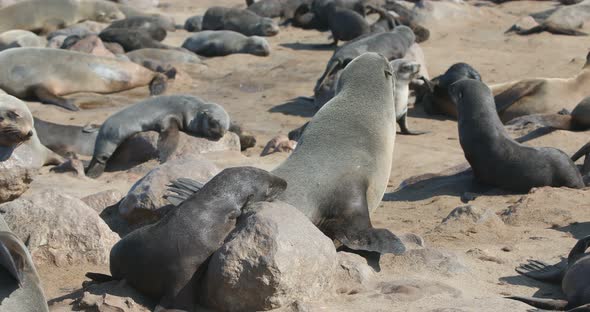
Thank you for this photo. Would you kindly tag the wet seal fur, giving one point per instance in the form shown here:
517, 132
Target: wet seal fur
46, 74
571, 274
497, 159
166, 260
225, 42
20, 287
166, 114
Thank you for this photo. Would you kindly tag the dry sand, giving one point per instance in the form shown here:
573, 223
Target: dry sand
476, 266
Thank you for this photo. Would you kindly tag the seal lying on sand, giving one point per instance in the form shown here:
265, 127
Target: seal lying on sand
163, 56
153, 26
131, 39
165, 114
165, 260
46, 74
42, 16
225, 42
564, 20
572, 275
20, 287
238, 20
498, 160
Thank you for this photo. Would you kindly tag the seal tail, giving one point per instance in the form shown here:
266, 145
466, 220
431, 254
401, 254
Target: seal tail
99, 277
547, 304
181, 189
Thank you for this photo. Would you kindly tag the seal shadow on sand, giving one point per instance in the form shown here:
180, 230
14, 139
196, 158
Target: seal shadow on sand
455, 181
298, 46
299, 106
578, 230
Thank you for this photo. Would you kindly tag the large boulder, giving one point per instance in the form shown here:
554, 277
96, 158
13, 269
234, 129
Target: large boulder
100, 201
274, 258
60, 229
17, 172
146, 196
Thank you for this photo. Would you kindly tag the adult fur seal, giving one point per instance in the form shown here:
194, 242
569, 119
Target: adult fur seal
46, 74
242, 21
498, 160
392, 45
165, 260
132, 39
66, 139
20, 287
165, 114
44, 16
336, 185
225, 42
571, 274
151, 25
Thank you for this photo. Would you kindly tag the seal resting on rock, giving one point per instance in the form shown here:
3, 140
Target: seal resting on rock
165, 114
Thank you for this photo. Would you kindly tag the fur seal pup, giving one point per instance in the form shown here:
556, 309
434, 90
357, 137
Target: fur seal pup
345, 24
392, 45
238, 20
46, 74
541, 95
20, 287
151, 25
131, 39
571, 274
435, 96
405, 72
42, 16
166, 114
165, 260
225, 42
194, 23
497, 159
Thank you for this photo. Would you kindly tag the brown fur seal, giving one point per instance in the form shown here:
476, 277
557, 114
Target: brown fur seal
43, 16
165, 114
541, 95
238, 20
20, 287
571, 274
151, 25
563, 20
46, 74
163, 56
66, 139
165, 260
225, 42
498, 160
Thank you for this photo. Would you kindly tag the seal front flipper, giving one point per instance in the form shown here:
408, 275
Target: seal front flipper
578, 250
542, 271
547, 304
181, 190
46, 96
583, 151
95, 168
403, 125
371, 239
168, 141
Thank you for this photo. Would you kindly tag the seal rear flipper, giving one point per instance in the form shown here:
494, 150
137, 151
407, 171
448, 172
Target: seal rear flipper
542, 271
182, 189
168, 141
371, 239
519, 90
547, 304
99, 277
12, 256
578, 250
46, 96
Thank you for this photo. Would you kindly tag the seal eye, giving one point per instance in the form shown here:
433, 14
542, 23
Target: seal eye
12, 115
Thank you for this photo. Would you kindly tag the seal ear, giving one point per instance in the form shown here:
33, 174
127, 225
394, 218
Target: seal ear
13, 256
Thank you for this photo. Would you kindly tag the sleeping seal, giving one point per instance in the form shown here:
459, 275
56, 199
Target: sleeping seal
225, 42
46, 74
165, 260
165, 114
571, 274
497, 159
242, 21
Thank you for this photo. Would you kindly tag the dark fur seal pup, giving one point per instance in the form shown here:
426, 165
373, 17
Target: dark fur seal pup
66, 139
345, 24
225, 42
20, 287
266, 8
436, 99
165, 260
392, 45
571, 274
194, 23
498, 160
148, 24
131, 39
337, 185
46, 74
242, 21
316, 15
165, 114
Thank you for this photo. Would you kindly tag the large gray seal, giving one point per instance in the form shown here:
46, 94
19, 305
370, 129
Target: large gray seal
571, 274
225, 42
46, 74
165, 114
497, 159
45, 16
242, 21
20, 287
166, 260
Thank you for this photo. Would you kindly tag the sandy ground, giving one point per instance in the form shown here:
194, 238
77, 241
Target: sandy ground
479, 257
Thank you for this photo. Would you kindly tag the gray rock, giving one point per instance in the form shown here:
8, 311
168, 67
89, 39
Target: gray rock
274, 258
16, 173
100, 201
140, 4
61, 229
353, 273
145, 198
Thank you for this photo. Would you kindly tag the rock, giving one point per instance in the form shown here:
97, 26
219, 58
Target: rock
413, 290
100, 201
424, 260
353, 273
274, 258
472, 221
140, 4
145, 198
16, 173
60, 229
